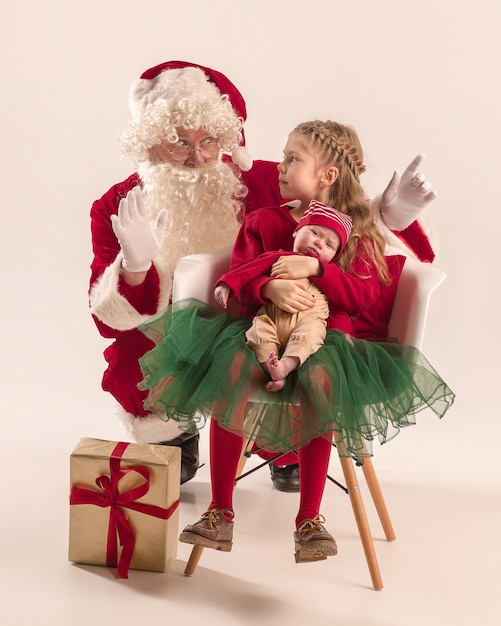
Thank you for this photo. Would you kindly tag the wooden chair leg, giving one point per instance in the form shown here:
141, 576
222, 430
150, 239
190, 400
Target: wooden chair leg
191, 565
378, 499
361, 519
359, 512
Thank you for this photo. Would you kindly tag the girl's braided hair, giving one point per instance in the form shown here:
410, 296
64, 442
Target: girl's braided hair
339, 145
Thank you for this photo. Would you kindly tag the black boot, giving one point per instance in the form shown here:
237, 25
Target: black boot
189, 454
286, 477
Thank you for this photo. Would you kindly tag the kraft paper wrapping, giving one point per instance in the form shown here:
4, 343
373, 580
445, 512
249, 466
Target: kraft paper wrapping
155, 539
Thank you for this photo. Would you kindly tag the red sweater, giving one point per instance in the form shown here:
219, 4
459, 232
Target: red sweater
366, 300
242, 277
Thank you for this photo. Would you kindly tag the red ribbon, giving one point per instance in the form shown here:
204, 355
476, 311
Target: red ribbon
110, 496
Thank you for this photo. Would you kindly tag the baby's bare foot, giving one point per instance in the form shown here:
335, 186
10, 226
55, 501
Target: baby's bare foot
276, 367
275, 385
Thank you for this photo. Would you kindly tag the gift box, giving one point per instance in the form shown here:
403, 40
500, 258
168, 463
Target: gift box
124, 505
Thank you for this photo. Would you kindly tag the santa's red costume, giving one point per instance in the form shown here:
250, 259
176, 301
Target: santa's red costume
205, 205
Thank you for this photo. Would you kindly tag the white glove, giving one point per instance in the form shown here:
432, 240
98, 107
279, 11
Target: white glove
139, 239
405, 197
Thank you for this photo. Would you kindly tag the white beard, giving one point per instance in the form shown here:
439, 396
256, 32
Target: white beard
202, 203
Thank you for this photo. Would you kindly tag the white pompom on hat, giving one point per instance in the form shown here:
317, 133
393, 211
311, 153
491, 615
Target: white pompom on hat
181, 87
319, 214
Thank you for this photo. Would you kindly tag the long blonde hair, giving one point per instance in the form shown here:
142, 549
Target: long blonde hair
339, 145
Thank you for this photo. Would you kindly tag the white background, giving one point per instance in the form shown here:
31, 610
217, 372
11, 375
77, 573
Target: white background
410, 77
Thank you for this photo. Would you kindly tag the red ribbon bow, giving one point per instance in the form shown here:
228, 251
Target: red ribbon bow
110, 496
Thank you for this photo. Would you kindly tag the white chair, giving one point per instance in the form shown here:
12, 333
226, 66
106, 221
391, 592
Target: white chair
195, 277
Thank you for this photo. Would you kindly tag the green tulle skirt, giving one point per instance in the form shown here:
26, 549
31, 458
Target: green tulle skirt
359, 390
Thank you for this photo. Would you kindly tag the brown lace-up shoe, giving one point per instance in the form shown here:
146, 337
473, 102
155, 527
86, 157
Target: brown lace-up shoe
313, 542
212, 530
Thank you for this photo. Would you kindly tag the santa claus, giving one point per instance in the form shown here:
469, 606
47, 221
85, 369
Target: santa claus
194, 183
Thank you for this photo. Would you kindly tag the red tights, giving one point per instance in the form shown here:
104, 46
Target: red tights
225, 452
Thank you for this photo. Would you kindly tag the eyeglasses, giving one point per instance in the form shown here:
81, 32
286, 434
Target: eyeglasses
208, 149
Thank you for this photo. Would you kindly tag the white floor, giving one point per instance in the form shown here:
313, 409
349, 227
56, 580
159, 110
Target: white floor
442, 569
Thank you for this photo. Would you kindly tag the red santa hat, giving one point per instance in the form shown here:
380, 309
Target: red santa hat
320, 214
180, 93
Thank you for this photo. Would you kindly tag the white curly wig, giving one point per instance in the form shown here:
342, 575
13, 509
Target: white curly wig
182, 97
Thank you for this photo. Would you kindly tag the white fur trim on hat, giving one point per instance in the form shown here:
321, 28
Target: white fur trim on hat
174, 87
178, 98
241, 157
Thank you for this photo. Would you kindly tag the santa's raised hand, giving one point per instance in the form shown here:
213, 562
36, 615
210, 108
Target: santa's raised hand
406, 196
139, 239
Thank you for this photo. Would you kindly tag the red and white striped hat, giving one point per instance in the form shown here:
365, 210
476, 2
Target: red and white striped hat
322, 215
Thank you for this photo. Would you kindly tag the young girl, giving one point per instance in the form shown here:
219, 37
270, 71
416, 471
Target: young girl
357, 389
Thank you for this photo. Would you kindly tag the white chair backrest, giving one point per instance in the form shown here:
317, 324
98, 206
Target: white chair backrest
196, 275
415, 287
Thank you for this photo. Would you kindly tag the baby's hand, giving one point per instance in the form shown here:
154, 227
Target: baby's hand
221, 295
